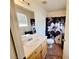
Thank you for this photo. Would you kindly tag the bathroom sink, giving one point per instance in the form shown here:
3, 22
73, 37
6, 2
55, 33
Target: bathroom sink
31, 42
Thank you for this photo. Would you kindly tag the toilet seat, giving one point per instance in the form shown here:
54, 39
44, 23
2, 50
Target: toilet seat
50, 41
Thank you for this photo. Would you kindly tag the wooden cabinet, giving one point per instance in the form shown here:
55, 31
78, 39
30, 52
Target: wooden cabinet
44, 50
38, 55
32, 56
40, 52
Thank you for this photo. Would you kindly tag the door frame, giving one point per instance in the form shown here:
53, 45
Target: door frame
15, 32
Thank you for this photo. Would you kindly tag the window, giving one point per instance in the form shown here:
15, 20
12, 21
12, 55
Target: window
22, 20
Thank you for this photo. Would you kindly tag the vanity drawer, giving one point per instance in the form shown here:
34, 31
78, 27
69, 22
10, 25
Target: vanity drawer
39, 49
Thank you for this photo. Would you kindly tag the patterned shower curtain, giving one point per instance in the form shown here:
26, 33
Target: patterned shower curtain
55, 26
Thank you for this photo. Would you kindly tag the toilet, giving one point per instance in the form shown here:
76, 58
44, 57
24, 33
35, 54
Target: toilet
50, 42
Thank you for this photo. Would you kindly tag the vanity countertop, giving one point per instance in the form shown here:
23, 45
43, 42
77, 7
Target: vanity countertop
29, 48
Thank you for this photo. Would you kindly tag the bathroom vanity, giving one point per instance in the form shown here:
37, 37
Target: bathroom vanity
35, 48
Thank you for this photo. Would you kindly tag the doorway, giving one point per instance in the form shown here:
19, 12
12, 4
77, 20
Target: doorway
55, 27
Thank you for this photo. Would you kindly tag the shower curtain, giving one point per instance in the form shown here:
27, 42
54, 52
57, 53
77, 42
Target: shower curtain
55, 26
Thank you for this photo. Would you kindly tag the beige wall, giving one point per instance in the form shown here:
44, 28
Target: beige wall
39, 14
29, 15
12, 51
66, 43
57, 13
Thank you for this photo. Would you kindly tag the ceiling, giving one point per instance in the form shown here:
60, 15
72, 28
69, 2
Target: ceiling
52, 5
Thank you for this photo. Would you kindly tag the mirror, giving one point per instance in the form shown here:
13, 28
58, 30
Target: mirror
26, 21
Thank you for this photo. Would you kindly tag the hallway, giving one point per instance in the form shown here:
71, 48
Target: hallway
55, 52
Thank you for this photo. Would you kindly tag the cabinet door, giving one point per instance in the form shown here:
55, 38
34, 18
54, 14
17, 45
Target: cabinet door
44, 50
38, 55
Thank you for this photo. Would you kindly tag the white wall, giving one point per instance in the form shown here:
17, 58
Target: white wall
56, 13
39, 14
29, 15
